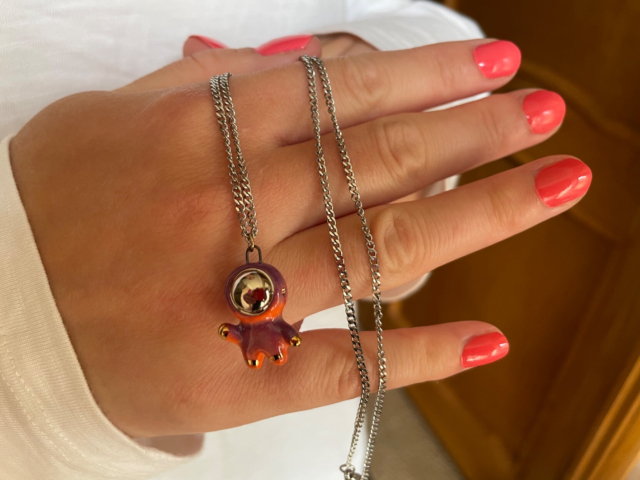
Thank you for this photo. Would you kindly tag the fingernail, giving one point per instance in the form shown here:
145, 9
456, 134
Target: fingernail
484, 349
284, 44
209, 42
562, 182
497, 59
544, 110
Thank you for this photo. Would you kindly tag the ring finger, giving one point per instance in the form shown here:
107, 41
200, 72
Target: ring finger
413, 238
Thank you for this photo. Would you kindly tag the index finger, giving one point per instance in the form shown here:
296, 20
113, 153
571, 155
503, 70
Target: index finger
203, 64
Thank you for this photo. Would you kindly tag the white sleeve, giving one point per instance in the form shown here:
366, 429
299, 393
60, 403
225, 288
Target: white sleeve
50, 425
402, 24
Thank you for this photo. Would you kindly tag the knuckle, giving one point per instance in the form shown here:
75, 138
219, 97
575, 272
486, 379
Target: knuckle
421, 358
199, 63
401, 146
400, 242
345, 378
446, 74
168, 112
195, 206
499, 122
180, 106
502, 213
366, 82
184, 115
492, 127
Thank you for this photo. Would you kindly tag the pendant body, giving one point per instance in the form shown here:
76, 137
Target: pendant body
256, 294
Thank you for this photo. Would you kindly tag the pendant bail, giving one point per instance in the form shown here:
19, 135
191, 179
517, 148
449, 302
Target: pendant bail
251, 249
349, 472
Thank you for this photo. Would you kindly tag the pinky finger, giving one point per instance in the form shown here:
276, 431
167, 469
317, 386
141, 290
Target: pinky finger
324, 371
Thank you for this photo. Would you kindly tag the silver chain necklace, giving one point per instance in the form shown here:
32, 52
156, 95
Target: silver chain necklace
261, 333
240, 186
348, 469
255, 292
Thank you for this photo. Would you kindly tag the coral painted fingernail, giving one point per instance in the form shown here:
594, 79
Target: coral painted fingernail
209, 42
484, 349
284, 44
544, 110
497, 59
562, 182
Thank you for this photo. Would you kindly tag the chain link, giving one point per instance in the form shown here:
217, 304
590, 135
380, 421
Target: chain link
348, 469
240, 186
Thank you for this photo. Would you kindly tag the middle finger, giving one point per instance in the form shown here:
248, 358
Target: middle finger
395, 156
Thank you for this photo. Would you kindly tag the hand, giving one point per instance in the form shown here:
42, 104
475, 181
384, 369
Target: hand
129, 200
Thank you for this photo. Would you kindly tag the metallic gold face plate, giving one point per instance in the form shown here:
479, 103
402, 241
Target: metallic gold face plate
252, 292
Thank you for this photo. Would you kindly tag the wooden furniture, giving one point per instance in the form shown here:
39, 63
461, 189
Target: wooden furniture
565, 403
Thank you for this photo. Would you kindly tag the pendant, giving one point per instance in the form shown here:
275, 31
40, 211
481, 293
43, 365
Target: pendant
256, 294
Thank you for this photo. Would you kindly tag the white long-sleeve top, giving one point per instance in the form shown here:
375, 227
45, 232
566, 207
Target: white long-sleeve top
50, 426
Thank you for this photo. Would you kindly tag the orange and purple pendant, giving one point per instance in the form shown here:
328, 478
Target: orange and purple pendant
256, 294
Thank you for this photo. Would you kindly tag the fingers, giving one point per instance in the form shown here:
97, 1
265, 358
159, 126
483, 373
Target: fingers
206, 61
413, 238
376, 84
324, 371
398, 155
198, 43
341, 44
414, 355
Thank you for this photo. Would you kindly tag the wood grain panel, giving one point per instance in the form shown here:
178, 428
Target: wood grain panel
564, 404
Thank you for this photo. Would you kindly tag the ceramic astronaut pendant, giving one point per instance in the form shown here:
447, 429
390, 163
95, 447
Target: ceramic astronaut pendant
256, 294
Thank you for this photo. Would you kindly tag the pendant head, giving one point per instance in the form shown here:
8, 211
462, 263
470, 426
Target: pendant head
256, 294
256, 291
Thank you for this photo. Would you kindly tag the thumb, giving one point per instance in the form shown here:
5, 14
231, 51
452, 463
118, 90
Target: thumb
207, 59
